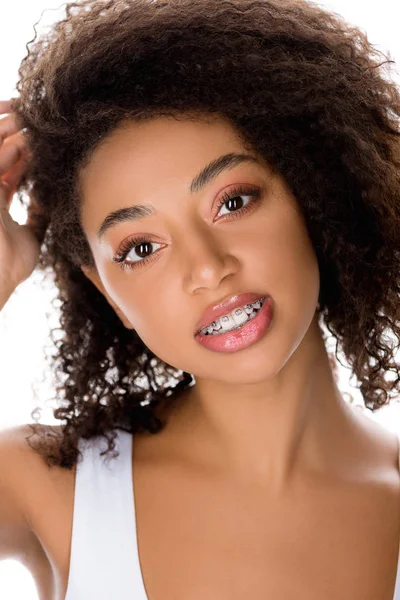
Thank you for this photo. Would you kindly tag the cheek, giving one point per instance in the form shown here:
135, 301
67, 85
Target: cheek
167, 335
155, 316
288, 265
298, 288
304, 268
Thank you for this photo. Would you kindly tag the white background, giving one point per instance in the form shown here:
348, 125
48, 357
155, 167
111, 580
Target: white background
26, 319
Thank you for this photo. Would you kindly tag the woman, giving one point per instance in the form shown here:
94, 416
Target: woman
210, 184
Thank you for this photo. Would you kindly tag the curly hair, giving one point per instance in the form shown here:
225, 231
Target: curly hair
318, 107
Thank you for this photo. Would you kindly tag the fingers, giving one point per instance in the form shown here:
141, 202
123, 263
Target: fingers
8, 126
14, 175
6, 105
11, 151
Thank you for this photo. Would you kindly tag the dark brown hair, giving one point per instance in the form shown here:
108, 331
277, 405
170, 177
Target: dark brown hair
301, 87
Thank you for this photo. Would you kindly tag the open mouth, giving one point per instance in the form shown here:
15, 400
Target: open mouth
234, 320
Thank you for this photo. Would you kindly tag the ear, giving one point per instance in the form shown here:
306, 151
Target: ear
92, 274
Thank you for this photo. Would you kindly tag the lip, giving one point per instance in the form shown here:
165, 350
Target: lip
249, 334
218, 310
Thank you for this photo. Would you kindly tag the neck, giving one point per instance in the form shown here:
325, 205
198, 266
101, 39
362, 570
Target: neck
292, 422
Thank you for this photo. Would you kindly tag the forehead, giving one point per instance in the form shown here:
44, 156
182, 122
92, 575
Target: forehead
160, 141
139, 157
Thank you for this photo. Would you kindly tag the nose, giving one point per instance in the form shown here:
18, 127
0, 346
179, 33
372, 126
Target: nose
208, 261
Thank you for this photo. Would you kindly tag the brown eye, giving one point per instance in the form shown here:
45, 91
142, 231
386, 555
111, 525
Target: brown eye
142, 245
232, 197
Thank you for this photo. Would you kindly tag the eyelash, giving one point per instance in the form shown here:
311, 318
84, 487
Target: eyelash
131, 243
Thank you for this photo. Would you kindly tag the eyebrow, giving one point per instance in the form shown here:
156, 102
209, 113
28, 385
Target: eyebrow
207, 174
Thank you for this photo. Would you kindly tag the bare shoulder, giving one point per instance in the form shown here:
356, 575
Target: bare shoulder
17, 456
384, 443
17, 539
22, 467
22, 473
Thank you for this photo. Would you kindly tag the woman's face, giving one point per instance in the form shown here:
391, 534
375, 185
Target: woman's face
198, 254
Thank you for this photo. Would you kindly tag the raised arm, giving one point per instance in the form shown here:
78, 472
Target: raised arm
19, 247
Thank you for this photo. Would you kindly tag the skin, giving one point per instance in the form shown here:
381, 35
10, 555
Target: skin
297, 483
270, 414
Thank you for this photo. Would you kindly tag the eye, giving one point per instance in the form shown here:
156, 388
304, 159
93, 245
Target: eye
239, 192
139, 242
143, 244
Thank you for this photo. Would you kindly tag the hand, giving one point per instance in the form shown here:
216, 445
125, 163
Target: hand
19, 247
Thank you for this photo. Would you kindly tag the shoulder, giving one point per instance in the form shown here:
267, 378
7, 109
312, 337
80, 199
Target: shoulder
16, 451
381, 449
23, 467
20, 470
16, 456
24, 473
36, 504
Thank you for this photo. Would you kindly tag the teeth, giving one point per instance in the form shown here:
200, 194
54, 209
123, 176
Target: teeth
236, 318
248, 309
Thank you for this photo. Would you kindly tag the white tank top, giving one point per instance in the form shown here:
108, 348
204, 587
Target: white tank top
104, 560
